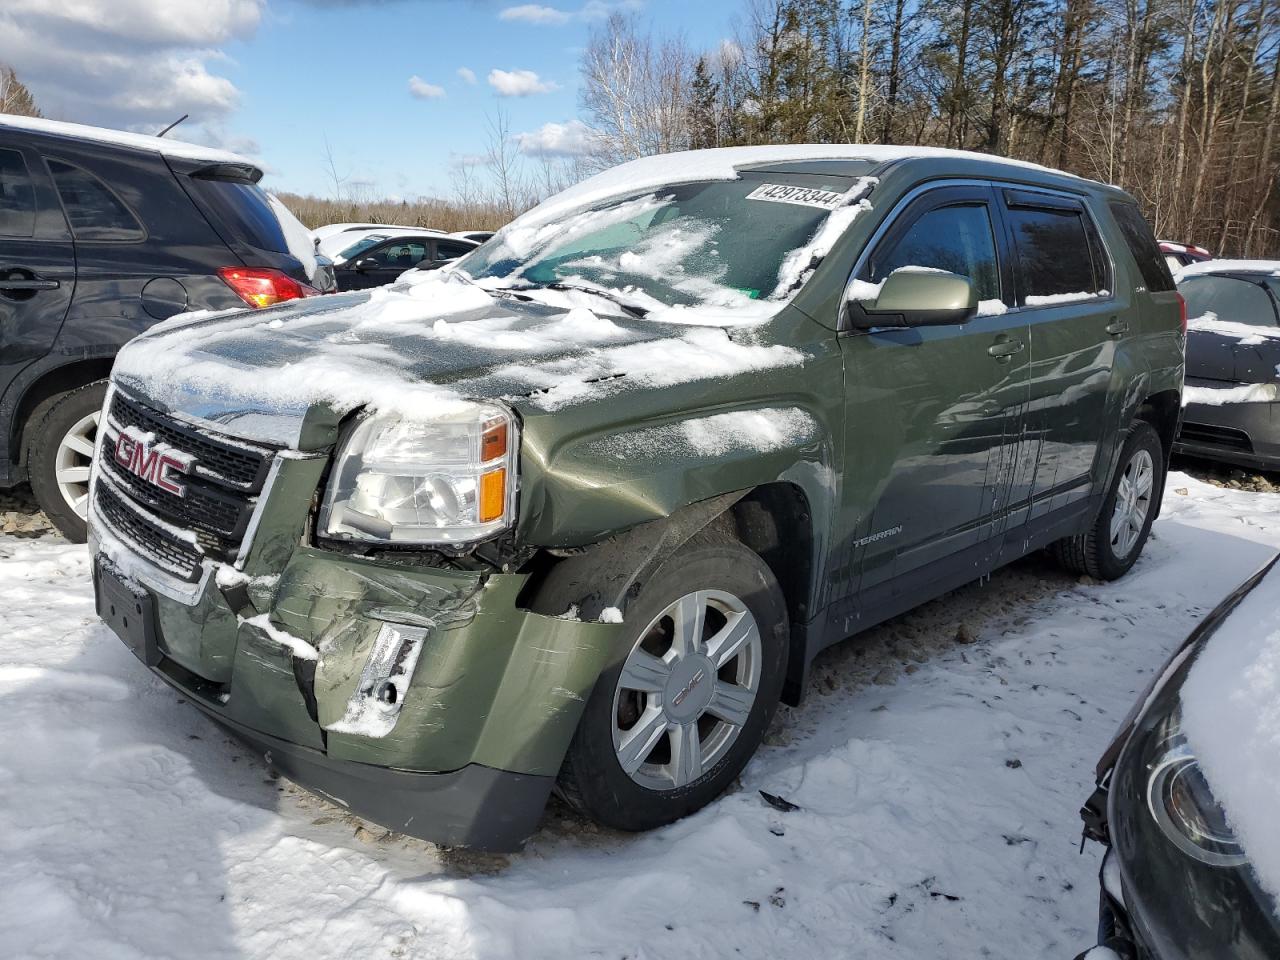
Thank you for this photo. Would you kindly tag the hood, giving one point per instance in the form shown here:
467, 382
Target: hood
418, 349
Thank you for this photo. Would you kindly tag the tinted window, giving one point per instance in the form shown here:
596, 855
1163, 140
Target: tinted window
1056, 253
244, 212
1236, 301
398, 253
448, 250
17, 198
1142, 244
958, 239
94, 211
360, 246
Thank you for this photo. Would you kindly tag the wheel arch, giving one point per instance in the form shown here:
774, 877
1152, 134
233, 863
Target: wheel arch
1163, 411
47, 384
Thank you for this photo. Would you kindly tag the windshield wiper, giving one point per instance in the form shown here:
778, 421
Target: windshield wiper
638, 312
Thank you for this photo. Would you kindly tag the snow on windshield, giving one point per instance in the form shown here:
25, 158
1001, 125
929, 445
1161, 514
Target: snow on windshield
703, 252
1231, 718
1249, 334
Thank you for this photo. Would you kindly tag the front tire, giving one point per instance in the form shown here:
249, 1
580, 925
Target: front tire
60, 442
674, 720
1112, 546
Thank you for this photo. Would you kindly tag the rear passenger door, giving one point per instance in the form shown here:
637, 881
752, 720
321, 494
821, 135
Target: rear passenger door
37, 263
1065, 293
934, 413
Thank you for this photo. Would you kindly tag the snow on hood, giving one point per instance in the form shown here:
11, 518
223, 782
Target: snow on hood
1231, 719
1205, 267
423, 349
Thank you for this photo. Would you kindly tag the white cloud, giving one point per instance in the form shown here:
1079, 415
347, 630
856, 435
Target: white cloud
519, 83
553, 16
535, 13
467, 74
424, 91
572, 139
130, 64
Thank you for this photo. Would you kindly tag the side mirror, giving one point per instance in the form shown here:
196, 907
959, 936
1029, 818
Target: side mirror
368, 263
916, 298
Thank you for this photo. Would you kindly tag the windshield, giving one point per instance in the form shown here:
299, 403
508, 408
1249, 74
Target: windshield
360, 246
721, 243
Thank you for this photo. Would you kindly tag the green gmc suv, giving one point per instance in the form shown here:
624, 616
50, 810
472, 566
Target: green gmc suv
575, 513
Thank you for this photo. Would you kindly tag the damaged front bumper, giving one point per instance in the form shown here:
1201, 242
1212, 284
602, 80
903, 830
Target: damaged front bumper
423, 698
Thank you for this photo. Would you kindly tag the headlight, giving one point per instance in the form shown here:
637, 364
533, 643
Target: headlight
1182, 804
450, 480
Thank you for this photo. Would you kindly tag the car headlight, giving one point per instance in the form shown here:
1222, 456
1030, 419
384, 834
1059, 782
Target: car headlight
448, 480
1182, 804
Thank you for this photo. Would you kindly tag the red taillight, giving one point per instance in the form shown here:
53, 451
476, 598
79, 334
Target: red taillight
1182, 309
264, 287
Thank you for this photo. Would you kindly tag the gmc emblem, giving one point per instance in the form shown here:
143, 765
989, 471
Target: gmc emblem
157, 464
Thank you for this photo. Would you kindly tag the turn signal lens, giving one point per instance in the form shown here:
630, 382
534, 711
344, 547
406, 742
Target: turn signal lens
493, 442
493, 494
263, 287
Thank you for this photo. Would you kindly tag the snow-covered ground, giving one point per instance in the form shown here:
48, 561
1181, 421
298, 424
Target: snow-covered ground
938, 765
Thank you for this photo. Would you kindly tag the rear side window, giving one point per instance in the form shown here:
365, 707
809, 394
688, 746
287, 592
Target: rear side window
93, 209
1059, 253
17, 197
1236, 301
958, 239
243, 211
1142, 244
447, 250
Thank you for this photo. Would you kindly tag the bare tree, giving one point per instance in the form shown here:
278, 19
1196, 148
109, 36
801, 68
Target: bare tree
15, 98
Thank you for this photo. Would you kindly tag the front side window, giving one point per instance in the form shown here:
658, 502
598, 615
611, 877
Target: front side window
1227, 299
401, 254
719, 244
17, 196
958, 239
93, 209
1058, 255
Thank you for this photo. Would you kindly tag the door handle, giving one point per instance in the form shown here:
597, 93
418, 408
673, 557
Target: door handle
1002, 350
32, 284
1117, 328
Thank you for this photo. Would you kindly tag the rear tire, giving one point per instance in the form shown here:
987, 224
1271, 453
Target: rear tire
672, 734
60, 436
1112, 546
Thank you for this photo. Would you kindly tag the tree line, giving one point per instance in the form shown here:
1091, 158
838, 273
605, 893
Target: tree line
1177, 101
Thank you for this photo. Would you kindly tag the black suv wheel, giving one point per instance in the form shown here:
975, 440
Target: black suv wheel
60, 437
1119, 533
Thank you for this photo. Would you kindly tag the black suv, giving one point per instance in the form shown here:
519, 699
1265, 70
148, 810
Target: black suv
102, 234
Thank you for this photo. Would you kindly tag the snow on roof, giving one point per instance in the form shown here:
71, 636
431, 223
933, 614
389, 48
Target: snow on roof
1271, 267
177, 149
1231, 718
724, 163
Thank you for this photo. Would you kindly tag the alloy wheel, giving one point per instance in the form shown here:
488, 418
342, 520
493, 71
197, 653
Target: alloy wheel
686, 689
71, 464
1133, 503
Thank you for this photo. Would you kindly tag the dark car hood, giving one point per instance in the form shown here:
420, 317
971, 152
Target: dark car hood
1233, 353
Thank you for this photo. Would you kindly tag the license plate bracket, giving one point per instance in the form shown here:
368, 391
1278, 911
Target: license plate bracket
129, 611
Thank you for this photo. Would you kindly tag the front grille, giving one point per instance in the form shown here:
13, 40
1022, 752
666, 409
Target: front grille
219, 492
234, 464
158, 545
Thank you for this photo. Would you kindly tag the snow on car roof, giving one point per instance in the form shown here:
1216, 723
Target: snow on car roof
177, 149
1271, 267
726, 163
1231, 718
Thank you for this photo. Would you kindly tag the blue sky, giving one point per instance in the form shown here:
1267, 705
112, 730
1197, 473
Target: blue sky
279, 78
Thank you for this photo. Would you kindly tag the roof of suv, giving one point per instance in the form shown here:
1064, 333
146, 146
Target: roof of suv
177, 149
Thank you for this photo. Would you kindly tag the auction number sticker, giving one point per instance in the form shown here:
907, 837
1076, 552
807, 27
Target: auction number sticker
804, 196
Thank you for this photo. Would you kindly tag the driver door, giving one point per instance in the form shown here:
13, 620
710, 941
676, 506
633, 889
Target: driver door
934, 413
